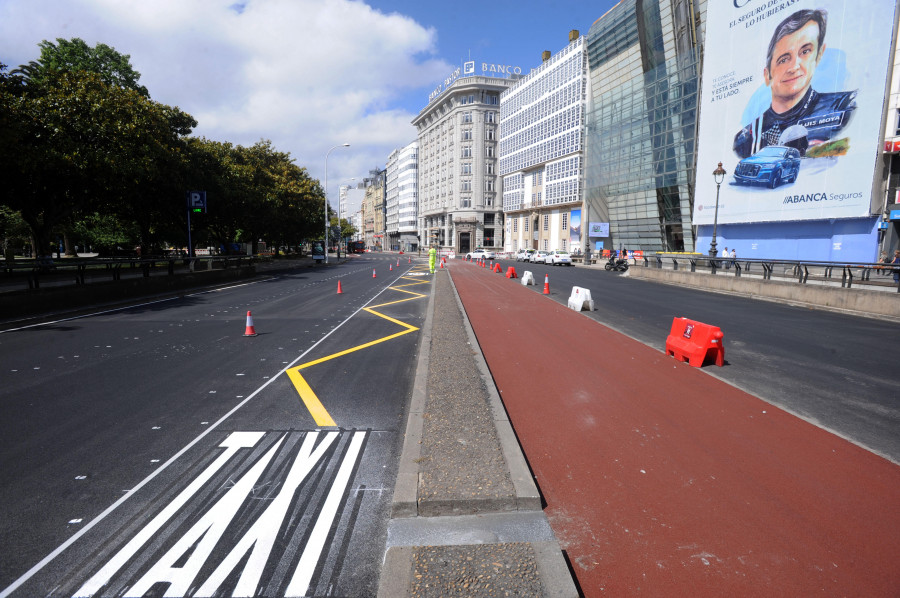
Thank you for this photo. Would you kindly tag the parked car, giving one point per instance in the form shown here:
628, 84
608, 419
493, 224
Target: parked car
539, 256
772, 166
524, 255
558, 257
480, 254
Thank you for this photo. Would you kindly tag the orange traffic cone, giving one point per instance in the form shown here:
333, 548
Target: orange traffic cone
249, 331
409, 260
442, 263
339, 288
373, 273
391, 267
483, 264
398, 263
546, 284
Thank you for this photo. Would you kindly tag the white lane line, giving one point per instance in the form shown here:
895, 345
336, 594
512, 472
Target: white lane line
110, 509
110, 311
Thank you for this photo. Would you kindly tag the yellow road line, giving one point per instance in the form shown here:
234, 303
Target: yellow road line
312, 402
308, 396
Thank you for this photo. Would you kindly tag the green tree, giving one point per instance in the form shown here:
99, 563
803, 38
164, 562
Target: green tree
74, 146
70, 56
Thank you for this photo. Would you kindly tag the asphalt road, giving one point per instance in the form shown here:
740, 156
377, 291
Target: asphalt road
835, 370
131, 439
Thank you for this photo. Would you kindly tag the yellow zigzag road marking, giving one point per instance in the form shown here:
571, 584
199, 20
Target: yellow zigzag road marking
312, 402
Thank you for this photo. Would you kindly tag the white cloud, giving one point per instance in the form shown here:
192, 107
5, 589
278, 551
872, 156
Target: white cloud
307, 74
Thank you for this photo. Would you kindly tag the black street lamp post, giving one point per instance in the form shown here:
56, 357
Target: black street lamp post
719, 175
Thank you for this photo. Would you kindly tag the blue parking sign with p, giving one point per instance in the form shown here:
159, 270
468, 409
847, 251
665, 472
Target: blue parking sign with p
196, 200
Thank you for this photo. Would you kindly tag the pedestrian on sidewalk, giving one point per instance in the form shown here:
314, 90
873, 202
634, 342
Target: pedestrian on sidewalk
726, 256
883, 259
896, 261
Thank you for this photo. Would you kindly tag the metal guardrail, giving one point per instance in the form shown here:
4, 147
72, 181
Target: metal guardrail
859, 273
79, 272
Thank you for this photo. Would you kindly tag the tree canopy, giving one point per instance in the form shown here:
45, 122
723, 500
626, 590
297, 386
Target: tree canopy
85, 152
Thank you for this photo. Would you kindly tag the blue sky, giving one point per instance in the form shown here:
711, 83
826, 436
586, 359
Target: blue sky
307, 74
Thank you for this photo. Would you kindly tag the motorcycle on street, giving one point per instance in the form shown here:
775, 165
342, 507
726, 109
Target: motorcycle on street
616, 265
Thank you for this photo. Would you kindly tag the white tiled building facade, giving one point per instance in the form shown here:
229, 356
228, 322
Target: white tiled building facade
541, 158
459, 184
402, 198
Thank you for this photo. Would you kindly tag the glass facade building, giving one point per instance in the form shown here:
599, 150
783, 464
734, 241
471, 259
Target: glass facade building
644, 66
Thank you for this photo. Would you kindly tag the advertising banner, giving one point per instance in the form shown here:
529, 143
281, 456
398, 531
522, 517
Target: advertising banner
792, 99
598, 229
575, 230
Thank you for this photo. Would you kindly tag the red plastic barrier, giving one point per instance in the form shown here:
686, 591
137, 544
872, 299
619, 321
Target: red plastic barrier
511, 272
695, 341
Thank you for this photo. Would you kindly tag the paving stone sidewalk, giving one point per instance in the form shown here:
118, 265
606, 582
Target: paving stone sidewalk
467, 517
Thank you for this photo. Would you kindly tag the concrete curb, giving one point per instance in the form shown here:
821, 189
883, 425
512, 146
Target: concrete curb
399, 566
471, 533
527, 496
405, 500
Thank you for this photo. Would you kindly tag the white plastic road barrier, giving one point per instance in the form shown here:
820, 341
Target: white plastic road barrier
579, 297
527, 278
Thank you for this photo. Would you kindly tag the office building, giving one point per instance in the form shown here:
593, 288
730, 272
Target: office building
401, 205
644, 61
459, 187
541, 152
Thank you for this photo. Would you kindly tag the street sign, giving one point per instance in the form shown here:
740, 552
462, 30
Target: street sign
196, 201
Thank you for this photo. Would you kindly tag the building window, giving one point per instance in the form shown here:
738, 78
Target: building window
489, 134
465, 186
546, 244
546, 221
489, 185
515, 225
467, 117
488, 201
563, 244
466, 168
465, 203
525, 223
489, 117
489, 168
489, 237
488, 219
489, 151
492, 99
467, 151
565, 221
467, 134
898, 122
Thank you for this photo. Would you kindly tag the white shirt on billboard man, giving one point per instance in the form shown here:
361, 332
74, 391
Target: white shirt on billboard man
795, 50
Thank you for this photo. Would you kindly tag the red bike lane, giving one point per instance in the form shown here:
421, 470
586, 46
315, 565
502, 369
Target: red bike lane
661, 480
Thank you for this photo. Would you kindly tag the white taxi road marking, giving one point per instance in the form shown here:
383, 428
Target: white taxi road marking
234, 442
110, 509
183, 562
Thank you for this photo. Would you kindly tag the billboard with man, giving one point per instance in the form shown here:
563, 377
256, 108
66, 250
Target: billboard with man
792, 103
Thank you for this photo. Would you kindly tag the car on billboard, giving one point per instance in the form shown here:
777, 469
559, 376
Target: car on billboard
771, 166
